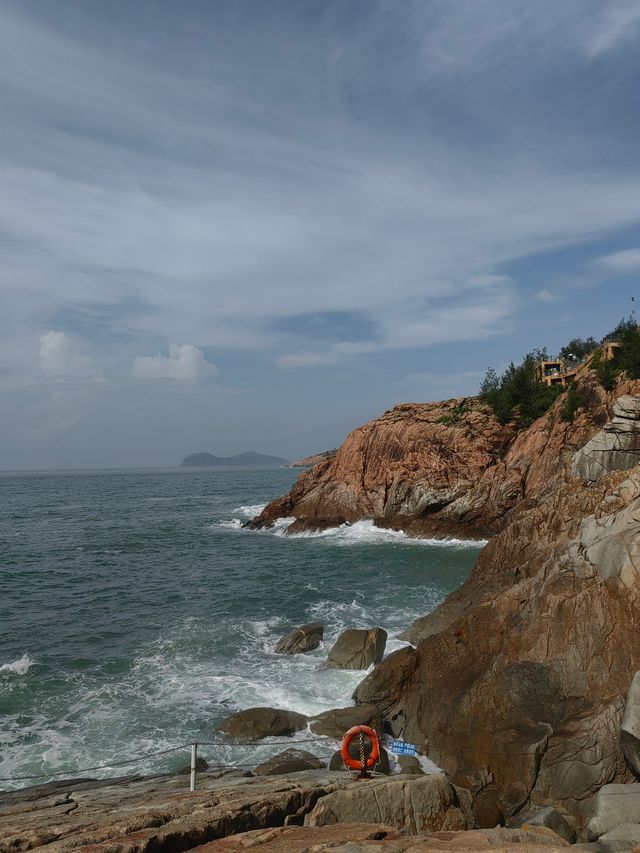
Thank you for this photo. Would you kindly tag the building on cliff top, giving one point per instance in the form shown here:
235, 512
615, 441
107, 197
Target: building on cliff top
557, 371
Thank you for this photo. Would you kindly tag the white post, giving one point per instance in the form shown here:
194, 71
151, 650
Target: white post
194, 758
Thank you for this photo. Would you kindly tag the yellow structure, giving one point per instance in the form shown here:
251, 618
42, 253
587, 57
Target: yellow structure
556, 371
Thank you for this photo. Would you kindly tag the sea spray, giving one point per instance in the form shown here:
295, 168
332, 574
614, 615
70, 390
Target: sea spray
152, 615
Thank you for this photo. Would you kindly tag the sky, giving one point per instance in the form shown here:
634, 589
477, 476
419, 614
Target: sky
250, 225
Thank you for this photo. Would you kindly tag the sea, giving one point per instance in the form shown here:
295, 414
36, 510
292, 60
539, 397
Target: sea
136, 613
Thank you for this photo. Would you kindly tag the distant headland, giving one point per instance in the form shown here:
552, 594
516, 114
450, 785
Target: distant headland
248, 460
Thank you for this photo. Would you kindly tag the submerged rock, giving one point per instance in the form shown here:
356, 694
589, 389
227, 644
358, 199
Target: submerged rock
257, 723
303, 639
358, 649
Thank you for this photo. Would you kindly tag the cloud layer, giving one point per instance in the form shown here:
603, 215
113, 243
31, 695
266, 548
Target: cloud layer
349, 189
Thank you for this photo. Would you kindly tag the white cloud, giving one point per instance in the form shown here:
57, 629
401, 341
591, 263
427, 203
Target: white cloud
184, 362
546, 295
622, 263
618, 23
57, 357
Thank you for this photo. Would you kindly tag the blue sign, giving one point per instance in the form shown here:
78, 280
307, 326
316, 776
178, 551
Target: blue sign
401, 747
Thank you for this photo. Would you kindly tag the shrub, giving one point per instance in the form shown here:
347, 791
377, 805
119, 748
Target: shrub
577, 349
571, 404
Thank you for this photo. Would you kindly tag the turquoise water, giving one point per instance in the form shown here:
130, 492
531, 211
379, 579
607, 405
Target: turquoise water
136, 612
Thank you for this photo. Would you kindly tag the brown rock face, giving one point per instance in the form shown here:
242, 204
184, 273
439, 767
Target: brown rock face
445, 468
518, 683
405, 466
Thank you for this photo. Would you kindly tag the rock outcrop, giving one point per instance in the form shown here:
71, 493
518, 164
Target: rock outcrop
377, 838
257, 723
155, 814
616, 447
630, 727
302, 639
358, 649
310, 461
410, 804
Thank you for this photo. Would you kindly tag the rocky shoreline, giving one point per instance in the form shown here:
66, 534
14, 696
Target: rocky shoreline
523, 686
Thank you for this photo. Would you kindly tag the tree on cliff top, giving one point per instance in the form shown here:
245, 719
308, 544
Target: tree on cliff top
577, 349
519, 394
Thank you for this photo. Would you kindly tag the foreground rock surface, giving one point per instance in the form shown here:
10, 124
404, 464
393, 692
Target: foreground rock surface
140, 815
303, 639
258, 723
410, 804
377, 838
358, 649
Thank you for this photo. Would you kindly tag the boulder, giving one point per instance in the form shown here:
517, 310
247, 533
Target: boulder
358, 649
411, 804
630, 726
628, 832
257, 723
289, 761
383, 766
336, 722
410, 765
614, 805
201, 767
303, 639
548, 817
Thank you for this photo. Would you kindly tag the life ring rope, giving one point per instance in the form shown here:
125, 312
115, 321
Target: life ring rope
353, 763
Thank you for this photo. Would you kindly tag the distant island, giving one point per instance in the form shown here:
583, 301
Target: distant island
247, 460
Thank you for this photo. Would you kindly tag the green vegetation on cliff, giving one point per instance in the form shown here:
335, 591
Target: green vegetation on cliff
519, 394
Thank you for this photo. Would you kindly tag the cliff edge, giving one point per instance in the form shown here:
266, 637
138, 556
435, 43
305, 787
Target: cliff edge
517, 684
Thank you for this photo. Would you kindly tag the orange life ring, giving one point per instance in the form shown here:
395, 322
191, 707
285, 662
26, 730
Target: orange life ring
353, 763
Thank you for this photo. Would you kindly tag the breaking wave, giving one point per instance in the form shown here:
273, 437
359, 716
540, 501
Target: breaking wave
18, 667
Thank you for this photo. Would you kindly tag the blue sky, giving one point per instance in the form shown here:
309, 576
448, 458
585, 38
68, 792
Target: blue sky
254, 225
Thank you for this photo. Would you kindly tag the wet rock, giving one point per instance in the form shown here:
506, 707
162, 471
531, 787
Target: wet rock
336, 722
303, 639
358, 649
548, 817
614, 805
257, 723
630, 727
410, 804
289, 761
201, 766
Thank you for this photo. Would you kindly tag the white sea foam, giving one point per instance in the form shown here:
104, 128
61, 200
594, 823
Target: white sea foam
363, 532
21, 666
250, 511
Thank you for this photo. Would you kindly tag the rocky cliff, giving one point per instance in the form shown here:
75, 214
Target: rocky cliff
516, 684
443, 468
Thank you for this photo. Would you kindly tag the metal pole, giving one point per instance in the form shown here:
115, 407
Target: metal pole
194, 758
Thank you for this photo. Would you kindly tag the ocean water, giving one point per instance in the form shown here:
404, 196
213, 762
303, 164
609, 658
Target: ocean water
136, 613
